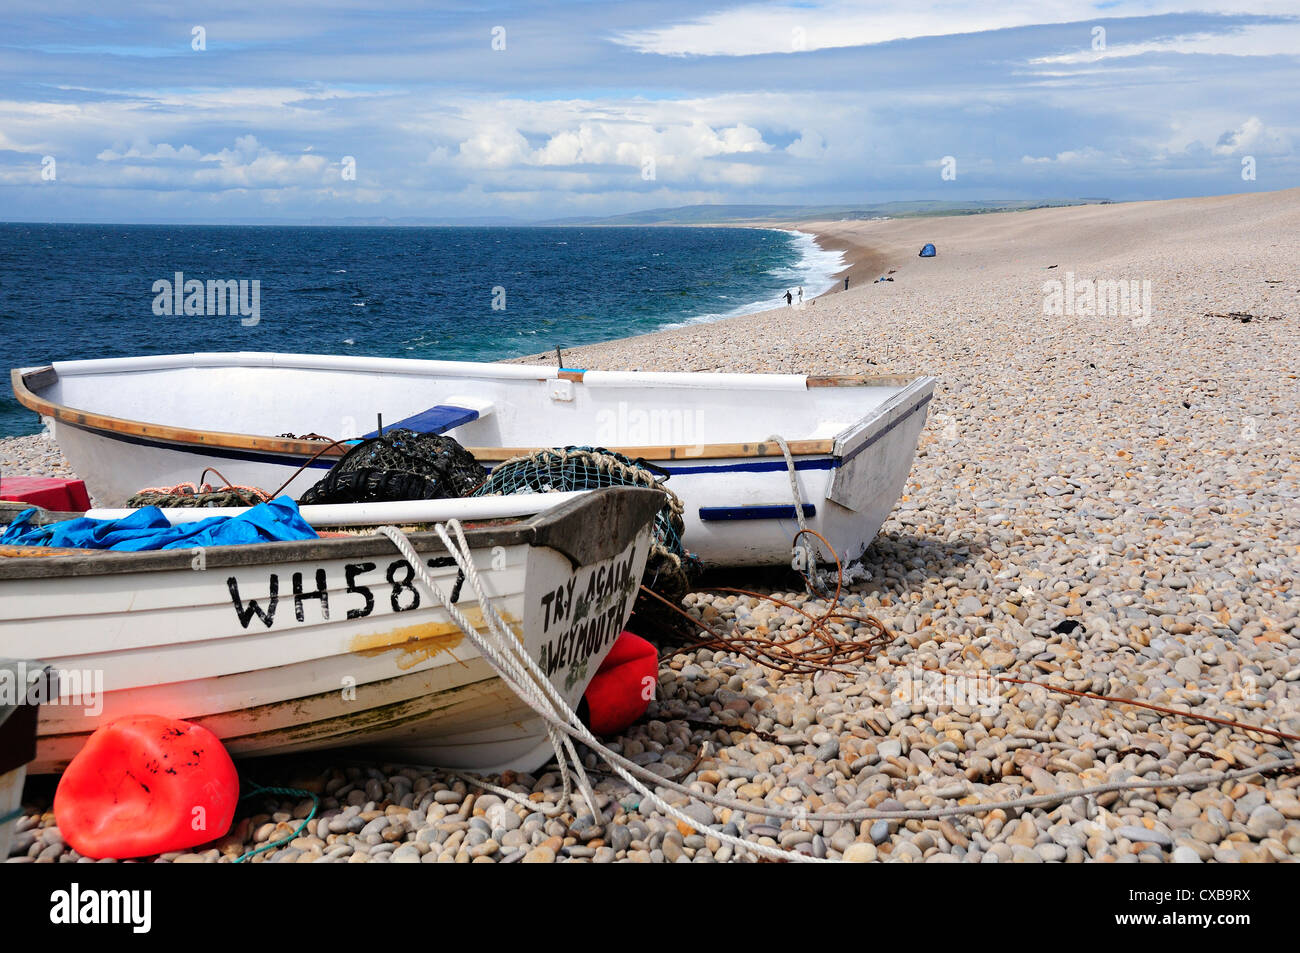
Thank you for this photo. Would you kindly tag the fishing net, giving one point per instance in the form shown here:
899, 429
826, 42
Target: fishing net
670, 570
400, 465
205, 495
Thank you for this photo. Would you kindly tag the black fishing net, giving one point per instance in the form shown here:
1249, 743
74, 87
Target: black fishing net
670, 570
400, 465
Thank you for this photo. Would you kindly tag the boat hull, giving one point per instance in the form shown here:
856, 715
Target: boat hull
290, 647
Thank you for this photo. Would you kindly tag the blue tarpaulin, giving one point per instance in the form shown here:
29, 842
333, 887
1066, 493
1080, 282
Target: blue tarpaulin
147, 528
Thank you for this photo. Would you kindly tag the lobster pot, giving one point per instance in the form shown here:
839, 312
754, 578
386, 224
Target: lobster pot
670, 569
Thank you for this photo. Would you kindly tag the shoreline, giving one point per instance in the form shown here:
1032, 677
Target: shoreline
863, 262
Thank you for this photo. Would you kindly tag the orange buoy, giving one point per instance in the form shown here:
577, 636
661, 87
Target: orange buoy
146, 785
623, 686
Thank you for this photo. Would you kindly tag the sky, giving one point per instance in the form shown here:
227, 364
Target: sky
296, 111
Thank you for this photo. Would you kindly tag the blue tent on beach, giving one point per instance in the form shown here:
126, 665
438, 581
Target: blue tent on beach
928, 251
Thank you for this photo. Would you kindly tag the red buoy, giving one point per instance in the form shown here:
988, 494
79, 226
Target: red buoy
146, 785
623, 686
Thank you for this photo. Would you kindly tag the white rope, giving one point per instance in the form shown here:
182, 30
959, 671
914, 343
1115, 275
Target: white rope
504, 663
804, 540
794, 481
523, 676
1035, 800
550, 810
514, 651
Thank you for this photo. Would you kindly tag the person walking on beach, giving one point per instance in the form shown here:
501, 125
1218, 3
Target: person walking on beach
789, 298
846, 282
801, 294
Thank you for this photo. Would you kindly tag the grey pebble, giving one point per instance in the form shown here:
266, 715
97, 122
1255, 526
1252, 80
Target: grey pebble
1136, 832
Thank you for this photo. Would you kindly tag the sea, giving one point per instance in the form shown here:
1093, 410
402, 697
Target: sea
70, 292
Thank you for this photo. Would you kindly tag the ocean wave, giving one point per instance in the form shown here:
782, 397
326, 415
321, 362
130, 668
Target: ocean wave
814, 270
817, 266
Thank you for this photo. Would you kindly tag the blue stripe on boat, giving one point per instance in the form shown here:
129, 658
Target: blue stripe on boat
822, 463
437, 419
759, 511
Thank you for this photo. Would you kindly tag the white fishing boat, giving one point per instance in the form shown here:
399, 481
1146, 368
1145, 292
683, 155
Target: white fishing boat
333, 642
128, 423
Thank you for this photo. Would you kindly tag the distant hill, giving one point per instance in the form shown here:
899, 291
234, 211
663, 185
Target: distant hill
719, 214
685, 215
355, 221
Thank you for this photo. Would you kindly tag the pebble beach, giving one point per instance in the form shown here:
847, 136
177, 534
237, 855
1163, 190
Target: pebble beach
1105, 503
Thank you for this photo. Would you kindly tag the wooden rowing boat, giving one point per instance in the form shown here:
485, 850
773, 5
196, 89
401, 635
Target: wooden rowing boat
128, 423
295, 646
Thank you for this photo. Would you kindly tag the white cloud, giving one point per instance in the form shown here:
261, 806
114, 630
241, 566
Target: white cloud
1240, 139
1256, 39
1230, 135
251, 165
496, 146
596, 143
809, 145
758, 28
680, 136
1070, 156
145, 150
246, 165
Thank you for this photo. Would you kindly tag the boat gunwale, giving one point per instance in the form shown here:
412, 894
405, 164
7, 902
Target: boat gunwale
25, 381
916, 394
557, 529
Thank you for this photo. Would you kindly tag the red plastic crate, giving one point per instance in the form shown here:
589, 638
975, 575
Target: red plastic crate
64, 496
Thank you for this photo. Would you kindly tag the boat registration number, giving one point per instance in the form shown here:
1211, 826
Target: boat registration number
364, 591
